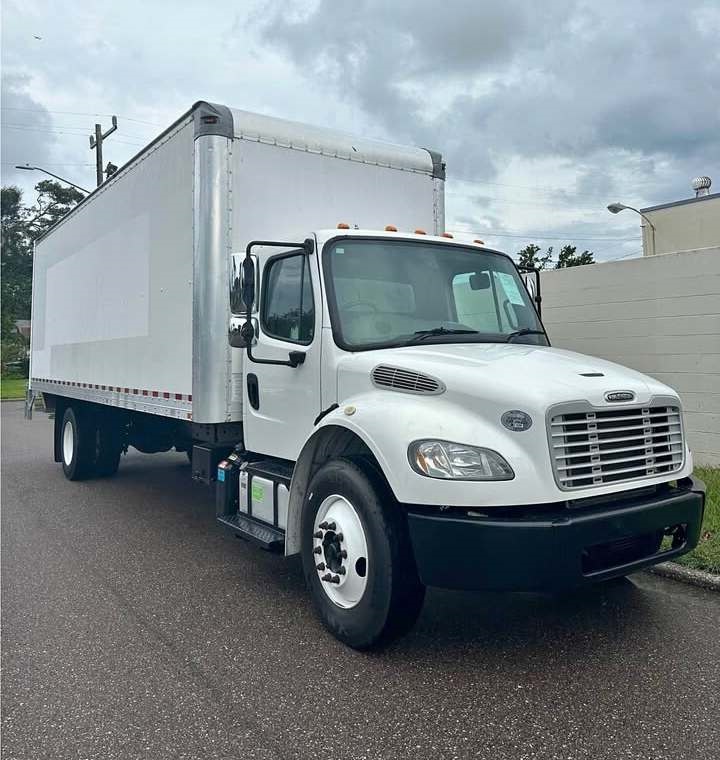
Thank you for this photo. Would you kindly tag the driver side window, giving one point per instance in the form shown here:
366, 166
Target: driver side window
288, 310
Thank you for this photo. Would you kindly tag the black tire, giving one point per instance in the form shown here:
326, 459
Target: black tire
109, 446
393, 596
78, 432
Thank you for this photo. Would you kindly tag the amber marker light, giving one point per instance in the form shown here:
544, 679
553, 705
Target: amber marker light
343, 226
390, 228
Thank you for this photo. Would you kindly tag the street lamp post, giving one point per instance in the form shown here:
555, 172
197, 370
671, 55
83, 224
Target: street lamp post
27, 167
616, 208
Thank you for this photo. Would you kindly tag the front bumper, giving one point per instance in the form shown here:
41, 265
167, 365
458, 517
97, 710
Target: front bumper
548, 548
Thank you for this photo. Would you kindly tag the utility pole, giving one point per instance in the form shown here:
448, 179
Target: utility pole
96, 142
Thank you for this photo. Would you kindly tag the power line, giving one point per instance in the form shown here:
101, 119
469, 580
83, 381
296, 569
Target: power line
534, 188
81, 113
531, 235
65, 132
15, 163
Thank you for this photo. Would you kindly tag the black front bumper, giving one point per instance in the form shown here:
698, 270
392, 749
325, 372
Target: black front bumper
547, 548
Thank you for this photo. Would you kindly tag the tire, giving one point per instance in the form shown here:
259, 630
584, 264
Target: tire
78, 433
364, 601
109, 447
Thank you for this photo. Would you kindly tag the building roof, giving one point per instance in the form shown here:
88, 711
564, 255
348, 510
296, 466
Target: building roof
683, 202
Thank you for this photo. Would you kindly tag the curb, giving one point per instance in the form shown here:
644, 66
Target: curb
687, 575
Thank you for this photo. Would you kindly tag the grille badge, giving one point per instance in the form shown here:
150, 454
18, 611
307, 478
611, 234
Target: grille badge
619, 396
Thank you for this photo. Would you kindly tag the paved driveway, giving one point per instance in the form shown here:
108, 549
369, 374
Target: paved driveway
133, 627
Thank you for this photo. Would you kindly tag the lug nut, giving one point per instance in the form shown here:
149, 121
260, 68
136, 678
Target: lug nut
331, 526
324, 525
343, 553
340, 537
335, 579
320, 566
317, 550
327, 578
341, 571
318, 534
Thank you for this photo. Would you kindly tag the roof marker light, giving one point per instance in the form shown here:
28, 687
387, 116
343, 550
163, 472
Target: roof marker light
343, 226
420, 232
479, 242
446, 234
390, 228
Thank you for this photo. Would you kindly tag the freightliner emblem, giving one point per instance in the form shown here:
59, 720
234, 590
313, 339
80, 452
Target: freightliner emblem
619, 396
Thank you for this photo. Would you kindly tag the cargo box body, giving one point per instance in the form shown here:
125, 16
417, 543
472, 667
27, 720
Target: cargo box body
131, 304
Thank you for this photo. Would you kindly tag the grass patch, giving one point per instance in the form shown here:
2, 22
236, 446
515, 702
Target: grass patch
13, 388
707, 554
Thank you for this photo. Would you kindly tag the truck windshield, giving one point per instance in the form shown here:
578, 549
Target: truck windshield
395, 293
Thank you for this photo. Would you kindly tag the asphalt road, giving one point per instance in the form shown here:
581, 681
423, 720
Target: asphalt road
133, 627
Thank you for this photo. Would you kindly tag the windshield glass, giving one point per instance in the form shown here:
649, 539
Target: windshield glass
393, 293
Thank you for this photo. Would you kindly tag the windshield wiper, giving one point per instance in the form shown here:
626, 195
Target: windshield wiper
419, 335
525, 331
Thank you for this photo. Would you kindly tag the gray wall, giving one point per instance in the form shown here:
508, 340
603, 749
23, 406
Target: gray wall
683, 226
659, 315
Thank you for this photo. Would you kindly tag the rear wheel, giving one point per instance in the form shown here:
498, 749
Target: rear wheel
77, 443
357, 558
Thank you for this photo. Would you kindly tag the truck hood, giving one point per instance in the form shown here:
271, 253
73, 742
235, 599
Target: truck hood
512, 374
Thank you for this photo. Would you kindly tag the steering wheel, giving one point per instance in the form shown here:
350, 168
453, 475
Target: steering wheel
360, 303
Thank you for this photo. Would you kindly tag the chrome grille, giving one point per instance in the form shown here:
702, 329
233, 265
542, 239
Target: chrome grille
399, 379
592, 448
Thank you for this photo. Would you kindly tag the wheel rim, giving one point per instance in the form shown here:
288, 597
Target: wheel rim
68, 443
340, 551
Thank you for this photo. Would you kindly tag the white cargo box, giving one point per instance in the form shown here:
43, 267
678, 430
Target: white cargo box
131, 301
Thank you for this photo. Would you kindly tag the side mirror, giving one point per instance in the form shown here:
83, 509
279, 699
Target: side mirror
248, 285
243, 336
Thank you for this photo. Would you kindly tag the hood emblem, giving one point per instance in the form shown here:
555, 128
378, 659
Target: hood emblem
614, 396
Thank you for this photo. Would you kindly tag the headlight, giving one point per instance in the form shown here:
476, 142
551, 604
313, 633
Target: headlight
456, 461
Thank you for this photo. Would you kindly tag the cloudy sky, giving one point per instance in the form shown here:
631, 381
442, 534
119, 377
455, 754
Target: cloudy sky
545, 111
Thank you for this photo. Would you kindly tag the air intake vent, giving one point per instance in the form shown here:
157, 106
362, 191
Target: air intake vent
398, 379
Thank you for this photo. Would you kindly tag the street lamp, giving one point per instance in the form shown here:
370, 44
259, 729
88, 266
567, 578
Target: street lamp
616, 208
29, 168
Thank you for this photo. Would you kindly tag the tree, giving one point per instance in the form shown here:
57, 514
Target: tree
19, 226
530, 257
568, 257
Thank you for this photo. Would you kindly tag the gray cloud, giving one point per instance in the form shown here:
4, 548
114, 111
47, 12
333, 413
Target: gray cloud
25, 125
566, 79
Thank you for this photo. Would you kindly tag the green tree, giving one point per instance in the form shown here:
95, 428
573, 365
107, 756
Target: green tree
569, 258
19, 226
530, 257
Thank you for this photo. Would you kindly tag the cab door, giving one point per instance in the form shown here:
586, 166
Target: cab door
280, 402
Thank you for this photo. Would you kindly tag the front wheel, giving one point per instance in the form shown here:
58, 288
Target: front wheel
357, 558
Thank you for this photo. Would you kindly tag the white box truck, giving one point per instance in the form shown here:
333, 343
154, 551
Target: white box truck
381, 399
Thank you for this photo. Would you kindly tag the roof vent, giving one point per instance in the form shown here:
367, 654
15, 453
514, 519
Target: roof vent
398, 379
701, 186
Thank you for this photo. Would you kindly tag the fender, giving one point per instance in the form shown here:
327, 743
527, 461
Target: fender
336, 421
386, 423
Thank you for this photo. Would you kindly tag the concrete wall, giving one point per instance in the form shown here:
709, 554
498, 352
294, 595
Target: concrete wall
659, 315
685, 225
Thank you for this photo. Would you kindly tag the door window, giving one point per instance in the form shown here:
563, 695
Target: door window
288, 310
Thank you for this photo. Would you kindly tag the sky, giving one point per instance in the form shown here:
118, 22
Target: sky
544, 112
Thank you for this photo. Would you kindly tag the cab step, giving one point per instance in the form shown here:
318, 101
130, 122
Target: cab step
266, 536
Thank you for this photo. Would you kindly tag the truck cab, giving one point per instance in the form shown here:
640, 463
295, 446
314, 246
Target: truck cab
432, 434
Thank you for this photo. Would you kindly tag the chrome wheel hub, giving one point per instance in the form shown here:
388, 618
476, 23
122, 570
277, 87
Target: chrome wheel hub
340, 551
